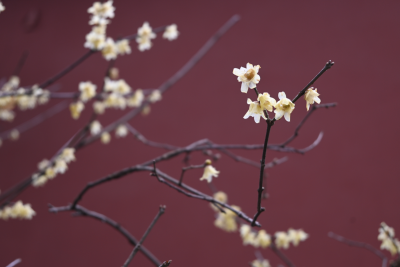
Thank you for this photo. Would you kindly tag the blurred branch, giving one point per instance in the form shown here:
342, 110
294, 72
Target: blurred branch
21, 63
139, 244
85, 212
281, 255
15, 262
143, 139
353, 243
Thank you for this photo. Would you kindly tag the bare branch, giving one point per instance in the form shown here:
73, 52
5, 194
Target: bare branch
353, 243
139, 244
85, 212
143, 139
15, 262
281, 255
190, 168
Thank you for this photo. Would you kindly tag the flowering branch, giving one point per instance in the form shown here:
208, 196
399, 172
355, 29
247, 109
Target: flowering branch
85, 212
353, 243
139, 244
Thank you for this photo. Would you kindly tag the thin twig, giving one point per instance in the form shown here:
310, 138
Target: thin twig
143, 139
21, 63
85, 212
139, 244
353, 243
281, 255
166, 263
190, 168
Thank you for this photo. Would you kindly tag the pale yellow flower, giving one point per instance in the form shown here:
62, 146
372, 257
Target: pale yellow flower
155, 96
95, 128
391, 246
227, 221
14, 134
259, 263
248, 236
310, 96
121, 131
209, 172
50, 173
95, 41
105, 10
39, 181
68, 155
386, 235
263, 239
248, 76
284, 107
43, 164
266, 102
171, 32
105, 138
19, 210
296, 236
221, 197
145, 34
282, 240
100, 29
60, 166
26, 102
123, 47
110, 50
88, 91
255, 111
76, 109
115, 100
99, 107
137, 99
7, 115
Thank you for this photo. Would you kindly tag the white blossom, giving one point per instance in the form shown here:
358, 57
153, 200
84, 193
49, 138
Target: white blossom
310, 96
171, 32
18, 210
43, 164
145, 34
123, 47
284, 107
262, 239
68, 154
115, 100
95, 128
137, 99
76, 109
7, 115
266, 102
248, 76
110, 50
209, 172
60, 166
105, 10
155, 96
88, 90
95, 41
121, 131
2, 8
105, 138
99, 107
282, 240
39, 181
227, 221
296, 236
255, 111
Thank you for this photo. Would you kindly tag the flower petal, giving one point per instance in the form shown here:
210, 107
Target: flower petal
252, 85
282, 95
278, 114
236, 72
256, 118
244, 88
317, 99
287, 116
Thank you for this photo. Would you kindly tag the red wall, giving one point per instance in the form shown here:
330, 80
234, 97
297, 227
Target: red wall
348, 184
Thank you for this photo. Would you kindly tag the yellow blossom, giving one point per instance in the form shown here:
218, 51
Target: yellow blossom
121, 131
88, 91
115, 100
284, 107
145, 34
247, 235
255, 111
171, 32
282, 240
227, 221
95, 128
95, 41
110, 50
105, 138
137, 99
76, 109
99, 107
123, 47
209, 172
50, 173
296, 236
39, 181
310, 96
263, 239
105, 9
248, 76
68, 155
60, 166
266, 102
259, 263
155, 96
21, 211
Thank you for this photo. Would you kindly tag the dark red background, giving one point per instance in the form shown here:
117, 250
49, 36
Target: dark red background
348, 184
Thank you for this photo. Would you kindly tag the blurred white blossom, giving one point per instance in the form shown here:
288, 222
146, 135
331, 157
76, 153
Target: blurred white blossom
88, 90
121, 131
99, 107
155, 96
259, 263
76, 109
14, 134
145, 34
2, 8
95, 128
137, 99
227, 221
123, 47
18, 210
110, 50
296, 236
105, 138
171, 32
282, 240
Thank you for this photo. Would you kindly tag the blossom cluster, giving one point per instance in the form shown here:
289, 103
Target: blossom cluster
283, 108
226, 221
49, 169
386, 235
95, 129
20, 97
18, 210
263, 239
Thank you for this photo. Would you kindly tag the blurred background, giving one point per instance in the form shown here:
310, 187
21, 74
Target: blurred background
349, 184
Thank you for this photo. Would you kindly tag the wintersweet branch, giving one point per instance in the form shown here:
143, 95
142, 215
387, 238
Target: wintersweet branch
139, 244
85, 212
360, 245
